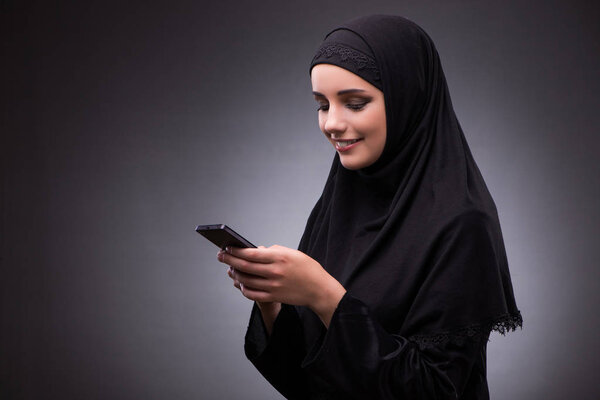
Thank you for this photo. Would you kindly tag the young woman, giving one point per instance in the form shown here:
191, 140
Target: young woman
401, 273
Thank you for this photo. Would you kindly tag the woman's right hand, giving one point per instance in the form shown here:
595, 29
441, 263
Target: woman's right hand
268, 310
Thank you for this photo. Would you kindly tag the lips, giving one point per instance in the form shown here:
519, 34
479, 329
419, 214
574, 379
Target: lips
344, 145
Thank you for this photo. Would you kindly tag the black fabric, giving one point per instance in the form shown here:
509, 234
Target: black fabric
415, 240
279, 357
416, 235
347, 50
357, 359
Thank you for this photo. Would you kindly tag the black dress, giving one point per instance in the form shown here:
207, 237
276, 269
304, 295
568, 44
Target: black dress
414, 238
357, 359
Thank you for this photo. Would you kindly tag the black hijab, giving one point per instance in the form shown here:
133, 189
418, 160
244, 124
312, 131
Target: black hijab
415, 236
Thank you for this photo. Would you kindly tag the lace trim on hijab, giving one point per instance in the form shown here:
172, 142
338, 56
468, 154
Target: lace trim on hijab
346, 54
502, 325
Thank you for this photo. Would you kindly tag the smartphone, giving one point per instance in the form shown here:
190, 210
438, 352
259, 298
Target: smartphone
223, 236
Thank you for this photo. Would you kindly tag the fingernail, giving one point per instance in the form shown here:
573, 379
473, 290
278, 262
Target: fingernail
220, 255
228, 249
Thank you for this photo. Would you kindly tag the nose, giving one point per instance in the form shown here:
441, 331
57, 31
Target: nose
335, 122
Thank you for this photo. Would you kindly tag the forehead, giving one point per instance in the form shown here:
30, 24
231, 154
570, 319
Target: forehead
330, 78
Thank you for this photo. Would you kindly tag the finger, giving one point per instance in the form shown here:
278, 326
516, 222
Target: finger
230, 272
253, 281
256, 295
236, 283
241, 276
258, 254
245, 266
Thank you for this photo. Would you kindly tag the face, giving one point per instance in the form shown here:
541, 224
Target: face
351, 114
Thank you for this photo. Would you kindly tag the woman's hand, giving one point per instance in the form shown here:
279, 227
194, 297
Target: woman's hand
282, 275
268, 310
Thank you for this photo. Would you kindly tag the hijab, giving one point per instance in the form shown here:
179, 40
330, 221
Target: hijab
414, 236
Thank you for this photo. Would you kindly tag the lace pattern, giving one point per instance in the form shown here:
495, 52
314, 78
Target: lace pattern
502, 325
346, 54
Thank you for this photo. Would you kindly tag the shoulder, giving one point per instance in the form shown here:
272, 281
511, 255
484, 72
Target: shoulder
472, 234
470, 221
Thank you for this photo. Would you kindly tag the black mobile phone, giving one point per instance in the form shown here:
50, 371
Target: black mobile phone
223, 236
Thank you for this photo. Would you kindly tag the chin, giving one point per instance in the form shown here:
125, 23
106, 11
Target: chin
353, 165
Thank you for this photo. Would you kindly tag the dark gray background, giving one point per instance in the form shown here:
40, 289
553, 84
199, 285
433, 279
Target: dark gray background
125, 125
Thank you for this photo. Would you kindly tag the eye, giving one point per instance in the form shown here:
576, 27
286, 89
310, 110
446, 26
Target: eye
323, 107
357, 104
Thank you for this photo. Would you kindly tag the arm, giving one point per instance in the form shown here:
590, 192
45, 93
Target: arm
278, 356
269, 312
356, 356
274, 339
440, 350
362, 360
283, 275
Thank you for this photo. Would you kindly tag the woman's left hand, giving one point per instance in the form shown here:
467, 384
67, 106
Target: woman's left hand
281, 274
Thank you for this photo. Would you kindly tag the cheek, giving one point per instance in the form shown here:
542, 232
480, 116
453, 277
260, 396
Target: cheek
381, 138
380, 122
382, 130
382, 141
375, 127
373, 123
322, 121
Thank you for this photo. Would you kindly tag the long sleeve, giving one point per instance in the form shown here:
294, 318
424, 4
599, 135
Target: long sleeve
363, 361
357, 359
278, 357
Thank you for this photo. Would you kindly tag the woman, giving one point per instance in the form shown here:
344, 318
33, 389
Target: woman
401, 273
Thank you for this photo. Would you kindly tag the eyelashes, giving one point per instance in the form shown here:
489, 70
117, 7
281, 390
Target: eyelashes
351, 106
357, 106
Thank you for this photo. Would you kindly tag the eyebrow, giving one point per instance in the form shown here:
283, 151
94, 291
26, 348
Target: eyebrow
341, 92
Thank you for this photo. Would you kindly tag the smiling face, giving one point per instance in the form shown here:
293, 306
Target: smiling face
351, 114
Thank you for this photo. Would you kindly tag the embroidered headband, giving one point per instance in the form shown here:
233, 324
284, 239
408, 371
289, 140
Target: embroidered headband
347, 50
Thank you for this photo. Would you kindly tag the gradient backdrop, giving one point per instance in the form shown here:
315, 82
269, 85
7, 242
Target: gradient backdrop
125, 125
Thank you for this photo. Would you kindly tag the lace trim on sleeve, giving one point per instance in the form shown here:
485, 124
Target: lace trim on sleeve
502, 325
